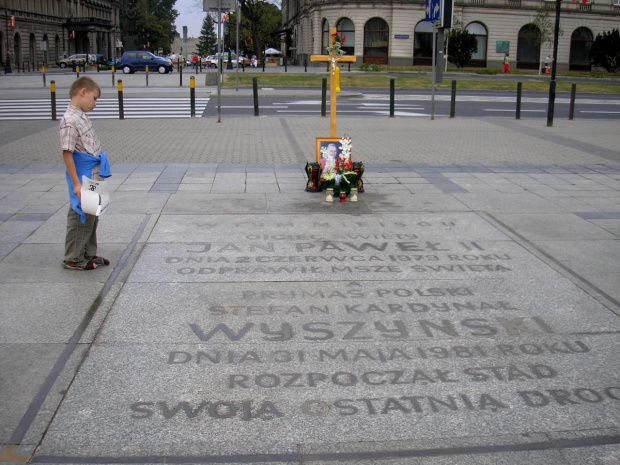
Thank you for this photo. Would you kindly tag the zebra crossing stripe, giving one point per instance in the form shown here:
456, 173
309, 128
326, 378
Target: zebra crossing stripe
29, 109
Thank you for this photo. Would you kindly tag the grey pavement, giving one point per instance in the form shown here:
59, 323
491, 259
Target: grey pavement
466, 310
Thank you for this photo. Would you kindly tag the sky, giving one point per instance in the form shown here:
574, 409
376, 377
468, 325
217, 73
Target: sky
190, 15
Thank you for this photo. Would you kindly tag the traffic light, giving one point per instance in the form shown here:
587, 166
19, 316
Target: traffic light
12, 21
447, 10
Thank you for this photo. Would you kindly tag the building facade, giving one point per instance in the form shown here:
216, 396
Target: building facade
44, 30
394, 31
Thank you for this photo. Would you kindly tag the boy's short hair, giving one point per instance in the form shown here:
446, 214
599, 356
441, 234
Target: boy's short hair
83, 82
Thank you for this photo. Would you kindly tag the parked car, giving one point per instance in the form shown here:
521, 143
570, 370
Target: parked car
211, 60
116, 62
138, 61
79, 59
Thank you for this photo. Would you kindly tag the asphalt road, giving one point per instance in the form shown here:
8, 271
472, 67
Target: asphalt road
419, 103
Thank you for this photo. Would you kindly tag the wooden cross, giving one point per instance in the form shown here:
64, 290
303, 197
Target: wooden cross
332, 58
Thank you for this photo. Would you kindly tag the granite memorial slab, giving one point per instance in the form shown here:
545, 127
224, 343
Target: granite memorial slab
283, 338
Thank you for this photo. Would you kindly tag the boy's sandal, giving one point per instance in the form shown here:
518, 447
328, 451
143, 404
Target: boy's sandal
99, 261
83, 265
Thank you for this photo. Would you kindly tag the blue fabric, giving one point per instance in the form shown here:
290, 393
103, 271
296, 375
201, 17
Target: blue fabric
84, 164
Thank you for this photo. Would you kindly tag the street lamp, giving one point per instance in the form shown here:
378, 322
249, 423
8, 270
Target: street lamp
7, 63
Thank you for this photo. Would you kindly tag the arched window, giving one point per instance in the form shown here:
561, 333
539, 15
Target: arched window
376, 41
46, 48
346, 29
324, 37
17, 49
580, 47
32, 49
528, 51
56, 48
479, 58
423, 44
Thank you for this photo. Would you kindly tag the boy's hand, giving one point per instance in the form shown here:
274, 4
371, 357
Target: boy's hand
77, 190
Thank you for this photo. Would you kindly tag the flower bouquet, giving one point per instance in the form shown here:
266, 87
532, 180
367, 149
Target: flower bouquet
338, 174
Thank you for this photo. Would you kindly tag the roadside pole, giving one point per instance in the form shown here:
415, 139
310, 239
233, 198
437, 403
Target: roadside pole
238, 21
219, 61
434, 73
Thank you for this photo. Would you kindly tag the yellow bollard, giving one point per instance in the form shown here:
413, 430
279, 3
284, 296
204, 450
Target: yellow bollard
337, 79
121, 109
43, 71
192, 96
53, 99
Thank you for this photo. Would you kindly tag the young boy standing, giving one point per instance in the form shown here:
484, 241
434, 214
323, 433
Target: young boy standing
81, 152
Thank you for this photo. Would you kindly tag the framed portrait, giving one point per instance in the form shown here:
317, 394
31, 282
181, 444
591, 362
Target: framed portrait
326, 148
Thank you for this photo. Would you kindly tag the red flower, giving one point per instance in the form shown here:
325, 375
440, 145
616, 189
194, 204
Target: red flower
337, 38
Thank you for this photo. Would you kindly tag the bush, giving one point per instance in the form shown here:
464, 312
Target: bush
364, 67
376, 67
606, 51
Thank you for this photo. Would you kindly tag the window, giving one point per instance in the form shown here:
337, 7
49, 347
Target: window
580, 47
324, 37
481, 37
346, 29
423, 43
376, 41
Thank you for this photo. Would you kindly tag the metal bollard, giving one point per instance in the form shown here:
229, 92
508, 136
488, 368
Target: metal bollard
192, 96
285, 66
453, 100
113, 70
519, 89
43, 71
255, 94
146, 71
391, 97
571, 108
121, 109
77, 72
306, 65
53, 97
180, 76
324, 97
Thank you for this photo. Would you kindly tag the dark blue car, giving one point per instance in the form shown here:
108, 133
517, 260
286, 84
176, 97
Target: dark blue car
139, 60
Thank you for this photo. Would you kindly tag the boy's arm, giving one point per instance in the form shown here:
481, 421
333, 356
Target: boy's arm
70, 165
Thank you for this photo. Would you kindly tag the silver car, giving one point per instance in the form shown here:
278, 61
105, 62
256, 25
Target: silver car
79, 59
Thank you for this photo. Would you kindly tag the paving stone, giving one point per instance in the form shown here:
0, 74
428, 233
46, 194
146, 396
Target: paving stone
278, 328
554, 226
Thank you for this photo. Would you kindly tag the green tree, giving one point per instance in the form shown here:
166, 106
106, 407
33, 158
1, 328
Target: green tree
606, 51
208, 37
542, 33
149, 22
260, 21
461, 45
